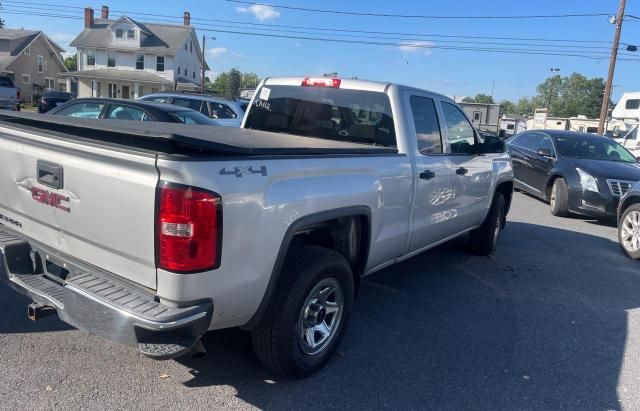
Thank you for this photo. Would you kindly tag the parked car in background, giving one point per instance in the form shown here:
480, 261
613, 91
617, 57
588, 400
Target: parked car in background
226, 112
629, 223
271, 229
103, 108
576, 172
51, 99
9, 94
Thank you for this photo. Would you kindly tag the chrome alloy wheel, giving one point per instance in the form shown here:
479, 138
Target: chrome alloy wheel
630, 232
320, 316
554, 196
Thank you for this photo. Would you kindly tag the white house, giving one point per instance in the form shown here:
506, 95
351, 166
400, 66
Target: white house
125, 58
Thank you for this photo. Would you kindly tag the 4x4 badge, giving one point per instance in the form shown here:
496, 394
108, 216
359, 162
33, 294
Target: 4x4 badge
240, 171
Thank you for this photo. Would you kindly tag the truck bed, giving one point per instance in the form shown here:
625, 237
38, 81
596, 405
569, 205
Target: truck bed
184, 139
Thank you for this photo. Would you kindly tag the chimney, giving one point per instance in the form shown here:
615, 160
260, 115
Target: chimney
187, 18
88, 17
105, 13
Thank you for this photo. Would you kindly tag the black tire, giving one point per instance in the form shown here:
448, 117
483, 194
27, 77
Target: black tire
559, 198
277, 338
483, 240
634, 208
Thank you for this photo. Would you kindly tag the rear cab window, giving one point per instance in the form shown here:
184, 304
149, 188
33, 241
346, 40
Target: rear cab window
332, 113
427, 126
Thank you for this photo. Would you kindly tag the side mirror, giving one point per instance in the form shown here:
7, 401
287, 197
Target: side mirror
491, 145
545, 152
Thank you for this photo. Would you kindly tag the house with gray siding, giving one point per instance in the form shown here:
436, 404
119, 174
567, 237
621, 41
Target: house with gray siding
126, 58
33, 61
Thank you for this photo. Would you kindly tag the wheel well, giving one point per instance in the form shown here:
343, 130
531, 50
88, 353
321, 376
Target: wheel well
506, 189
547, 190
629, 202
347, 235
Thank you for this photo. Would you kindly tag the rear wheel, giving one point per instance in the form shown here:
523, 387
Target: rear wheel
629, 231
484, 239
559, 198
308, 315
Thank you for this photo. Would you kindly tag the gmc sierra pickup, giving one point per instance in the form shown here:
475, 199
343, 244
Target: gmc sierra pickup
152, 234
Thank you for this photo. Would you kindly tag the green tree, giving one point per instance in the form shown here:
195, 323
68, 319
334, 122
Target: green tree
508, 107
525, 107
479, 98
71, 62
229, 83
1, 20
249, 80
221, 84
571, 96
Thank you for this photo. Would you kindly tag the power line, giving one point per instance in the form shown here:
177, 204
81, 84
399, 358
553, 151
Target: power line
417, 16
330, 29
599, 56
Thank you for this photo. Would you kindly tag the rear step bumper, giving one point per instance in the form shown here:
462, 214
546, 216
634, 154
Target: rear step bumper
99, 303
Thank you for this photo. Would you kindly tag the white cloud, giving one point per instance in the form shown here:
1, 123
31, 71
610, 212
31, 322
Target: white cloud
221, 51
423, 47
260, 11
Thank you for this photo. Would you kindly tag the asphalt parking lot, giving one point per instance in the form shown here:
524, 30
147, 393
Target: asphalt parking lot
551, 322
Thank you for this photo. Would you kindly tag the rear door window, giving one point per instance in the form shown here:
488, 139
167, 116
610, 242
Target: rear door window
356, 116
82, 110
425, 119
222, 111
192, 103
122, 112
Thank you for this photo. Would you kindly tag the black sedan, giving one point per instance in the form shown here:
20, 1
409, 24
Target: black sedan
575, 172
51, 99
132, 110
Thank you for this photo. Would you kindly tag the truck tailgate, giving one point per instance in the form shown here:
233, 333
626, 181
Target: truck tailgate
100, 209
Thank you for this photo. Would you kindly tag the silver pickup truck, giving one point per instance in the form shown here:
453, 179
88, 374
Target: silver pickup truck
152, 234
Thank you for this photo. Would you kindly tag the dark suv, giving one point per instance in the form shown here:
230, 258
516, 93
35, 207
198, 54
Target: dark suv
51, 99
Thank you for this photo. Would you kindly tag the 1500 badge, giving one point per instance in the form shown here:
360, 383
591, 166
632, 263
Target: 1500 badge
51, 199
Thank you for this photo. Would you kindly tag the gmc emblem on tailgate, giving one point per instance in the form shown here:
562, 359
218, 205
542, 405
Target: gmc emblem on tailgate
52, 199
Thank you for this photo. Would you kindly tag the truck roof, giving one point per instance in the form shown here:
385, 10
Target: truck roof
348, 83
184, 139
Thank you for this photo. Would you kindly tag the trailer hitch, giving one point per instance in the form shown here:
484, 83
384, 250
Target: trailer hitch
37, 311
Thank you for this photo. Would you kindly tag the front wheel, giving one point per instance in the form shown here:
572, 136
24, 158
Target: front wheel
309, 312
559, 198
484, 239
629, 232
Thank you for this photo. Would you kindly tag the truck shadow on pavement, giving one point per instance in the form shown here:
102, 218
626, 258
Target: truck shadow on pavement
13, 309
543, 324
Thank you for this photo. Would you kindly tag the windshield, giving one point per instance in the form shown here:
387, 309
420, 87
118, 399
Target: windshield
6, 82
192, 117
593, 148
324, 112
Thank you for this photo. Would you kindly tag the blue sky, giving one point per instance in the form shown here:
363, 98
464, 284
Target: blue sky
454, 73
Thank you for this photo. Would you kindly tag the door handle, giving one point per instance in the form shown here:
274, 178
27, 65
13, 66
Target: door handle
427, 175
461, 171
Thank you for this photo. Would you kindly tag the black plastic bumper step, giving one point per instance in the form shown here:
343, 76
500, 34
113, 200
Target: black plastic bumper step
166, 346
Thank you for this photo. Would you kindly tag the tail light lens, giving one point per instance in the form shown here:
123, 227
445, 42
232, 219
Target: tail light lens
189, 229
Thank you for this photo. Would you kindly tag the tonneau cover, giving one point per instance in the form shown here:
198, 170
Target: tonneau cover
178, 138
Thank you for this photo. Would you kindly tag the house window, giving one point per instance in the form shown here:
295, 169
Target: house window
178, 69
160, 63
139, 61
49, 83
185, 46
98, 89
131, 34
91, 57
194, 74
40, 64
191, 47
119, 33
111, 58
27, 51
26, 79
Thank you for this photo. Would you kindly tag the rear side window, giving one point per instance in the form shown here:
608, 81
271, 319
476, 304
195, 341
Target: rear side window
6, 82
425, 120
355, 116
222, 111
191, 103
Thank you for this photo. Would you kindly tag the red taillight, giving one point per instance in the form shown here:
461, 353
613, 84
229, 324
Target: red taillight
321, 82
189, 228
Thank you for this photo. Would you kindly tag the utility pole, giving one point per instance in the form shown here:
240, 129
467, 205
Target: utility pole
203, 63
612, 67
